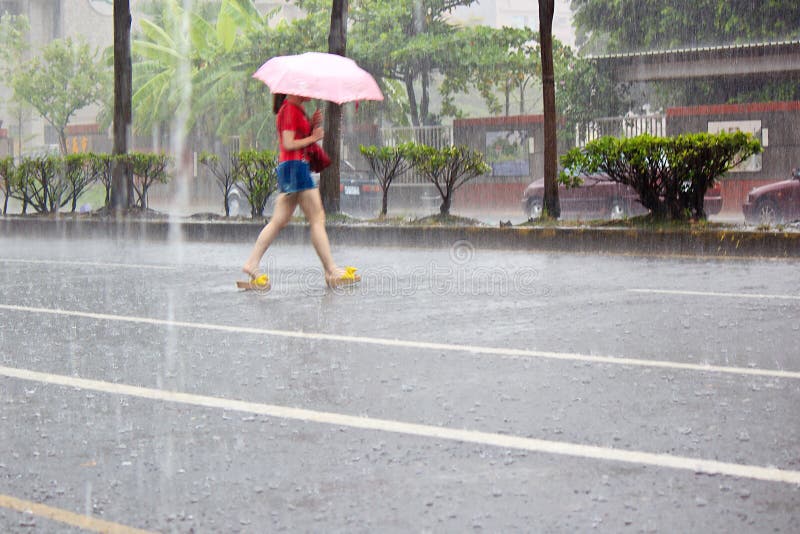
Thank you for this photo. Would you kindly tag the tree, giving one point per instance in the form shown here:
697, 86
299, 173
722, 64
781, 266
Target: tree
6, 178
40, 183
79, 176
14, 49
147, 169
122, 181
408, 41
256, 178
448, 169
551, 206
641, 25
102, 168
220, 56
504, 61
329, 178
584, 93
64, 79
224, 171
387, 163
670, 174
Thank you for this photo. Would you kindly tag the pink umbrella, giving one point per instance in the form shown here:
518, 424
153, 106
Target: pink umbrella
319, 75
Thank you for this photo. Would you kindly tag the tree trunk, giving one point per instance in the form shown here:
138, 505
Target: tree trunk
412, 99
62, 142
444, 208
424, 104
121, 180
550, 204
329, 179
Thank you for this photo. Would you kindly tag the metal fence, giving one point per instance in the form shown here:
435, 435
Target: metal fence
627, 126
435, 136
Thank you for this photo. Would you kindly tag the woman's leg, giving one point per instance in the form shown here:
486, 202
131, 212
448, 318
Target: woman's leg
281, 215
311, 204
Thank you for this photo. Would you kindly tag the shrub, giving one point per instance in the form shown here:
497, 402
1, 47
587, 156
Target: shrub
39, 182
387, 163
224, 171
79, 176
448, 168
147, 170
670, 174
256, 178
101, 166
7, 171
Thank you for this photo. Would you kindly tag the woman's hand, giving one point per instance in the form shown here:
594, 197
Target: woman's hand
316, 119
316, 134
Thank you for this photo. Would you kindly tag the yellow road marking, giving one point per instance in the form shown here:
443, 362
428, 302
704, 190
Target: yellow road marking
85, 522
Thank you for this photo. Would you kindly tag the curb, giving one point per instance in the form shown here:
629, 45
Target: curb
702, 243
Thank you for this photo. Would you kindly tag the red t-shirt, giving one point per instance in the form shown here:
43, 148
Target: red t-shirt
291, 117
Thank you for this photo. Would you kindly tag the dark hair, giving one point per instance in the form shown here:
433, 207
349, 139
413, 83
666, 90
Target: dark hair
277, 102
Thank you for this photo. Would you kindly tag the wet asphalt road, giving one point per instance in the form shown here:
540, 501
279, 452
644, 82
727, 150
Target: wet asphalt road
427, 341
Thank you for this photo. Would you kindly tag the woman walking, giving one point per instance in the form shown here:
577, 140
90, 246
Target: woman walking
296, 187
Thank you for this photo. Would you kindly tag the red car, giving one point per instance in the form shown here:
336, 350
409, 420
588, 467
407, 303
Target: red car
774, 203
600, 197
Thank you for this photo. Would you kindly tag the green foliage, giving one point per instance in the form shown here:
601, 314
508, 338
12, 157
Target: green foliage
7, 170
505, 61
13, 43
147, 169
101, 167
79, 176
224, 171
256, 178
447, 168
645, 25
65, 78
637, 25
387, 163
407, 41
40, 183
198, 68
670, 174
584, 93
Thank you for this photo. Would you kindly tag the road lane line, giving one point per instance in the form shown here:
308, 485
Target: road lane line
85, 522
697, 465
423, 345
714, 294
90, 264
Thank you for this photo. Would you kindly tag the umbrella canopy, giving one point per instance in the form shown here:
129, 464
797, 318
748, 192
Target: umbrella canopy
318, 75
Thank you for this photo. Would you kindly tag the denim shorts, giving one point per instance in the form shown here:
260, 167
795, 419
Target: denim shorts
293, 176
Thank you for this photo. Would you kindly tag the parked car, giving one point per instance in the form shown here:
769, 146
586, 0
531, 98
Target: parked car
600, 197
774, 203
359, 192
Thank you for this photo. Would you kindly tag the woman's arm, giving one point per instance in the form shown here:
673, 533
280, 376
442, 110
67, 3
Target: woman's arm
290, 143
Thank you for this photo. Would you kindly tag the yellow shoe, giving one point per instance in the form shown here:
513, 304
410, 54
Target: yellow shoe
256, 283
348, 277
